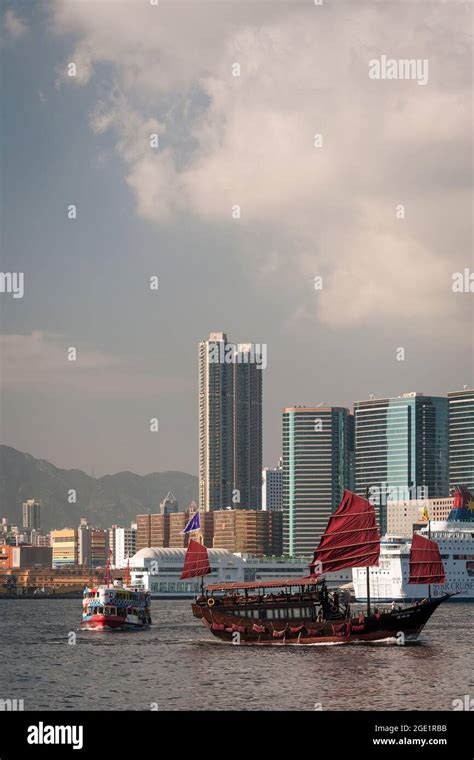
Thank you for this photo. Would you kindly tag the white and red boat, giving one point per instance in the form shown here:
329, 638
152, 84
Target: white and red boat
115, 606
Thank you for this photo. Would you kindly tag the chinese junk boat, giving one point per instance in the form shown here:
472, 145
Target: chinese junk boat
302, 611
116, 606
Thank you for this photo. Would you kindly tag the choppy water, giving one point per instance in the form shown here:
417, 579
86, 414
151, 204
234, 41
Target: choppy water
177, 665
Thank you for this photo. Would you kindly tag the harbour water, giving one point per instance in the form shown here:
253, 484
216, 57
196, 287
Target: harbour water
177, 665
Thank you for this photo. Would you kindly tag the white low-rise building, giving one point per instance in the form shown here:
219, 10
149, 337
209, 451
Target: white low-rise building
158, 570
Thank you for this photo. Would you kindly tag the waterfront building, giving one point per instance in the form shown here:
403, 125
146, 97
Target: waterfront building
158, 570
401, 449
24, 556
230, 424
64, 544
461, 438
272, 488
32, 514
316, 470
22, 581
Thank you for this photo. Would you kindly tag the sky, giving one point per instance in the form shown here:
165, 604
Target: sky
238, 151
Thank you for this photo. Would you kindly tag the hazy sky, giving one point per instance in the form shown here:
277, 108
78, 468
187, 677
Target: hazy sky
306, 210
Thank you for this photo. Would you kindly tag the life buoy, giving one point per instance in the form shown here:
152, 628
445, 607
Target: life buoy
211, 602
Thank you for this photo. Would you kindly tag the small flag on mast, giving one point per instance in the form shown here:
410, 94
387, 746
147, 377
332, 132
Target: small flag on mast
425, 516
193, 524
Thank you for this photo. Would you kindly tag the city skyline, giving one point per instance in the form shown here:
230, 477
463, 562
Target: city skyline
236, 369
353, 214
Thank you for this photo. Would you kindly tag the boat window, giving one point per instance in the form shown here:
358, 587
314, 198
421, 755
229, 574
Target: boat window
269, 614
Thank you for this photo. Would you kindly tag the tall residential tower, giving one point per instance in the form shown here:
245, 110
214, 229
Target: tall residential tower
32, 514
230, 424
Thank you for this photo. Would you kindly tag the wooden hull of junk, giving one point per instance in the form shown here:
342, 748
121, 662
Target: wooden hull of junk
225, 619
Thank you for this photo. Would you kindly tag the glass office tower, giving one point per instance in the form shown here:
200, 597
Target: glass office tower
461, 439
401, 448
316, 470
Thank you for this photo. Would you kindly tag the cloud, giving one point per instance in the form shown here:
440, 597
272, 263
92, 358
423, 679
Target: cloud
249, 140
14, 25
39, 361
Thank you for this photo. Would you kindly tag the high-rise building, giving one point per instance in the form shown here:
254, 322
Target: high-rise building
216, 421
272, 488
316, 470
401, 449
32, 514
461, 438
247, 447
351, 450
230, 424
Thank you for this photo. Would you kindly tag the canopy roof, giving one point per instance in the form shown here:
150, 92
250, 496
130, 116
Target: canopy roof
310, 580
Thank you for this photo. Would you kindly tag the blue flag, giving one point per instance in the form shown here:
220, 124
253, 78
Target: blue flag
193, 524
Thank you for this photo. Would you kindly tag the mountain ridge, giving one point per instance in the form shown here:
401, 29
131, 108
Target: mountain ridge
113, 498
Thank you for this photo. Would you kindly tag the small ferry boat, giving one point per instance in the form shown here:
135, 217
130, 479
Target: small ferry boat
115, 606
302, 611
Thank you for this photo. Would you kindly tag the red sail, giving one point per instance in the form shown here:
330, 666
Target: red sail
351, 539
196, 561
426, 565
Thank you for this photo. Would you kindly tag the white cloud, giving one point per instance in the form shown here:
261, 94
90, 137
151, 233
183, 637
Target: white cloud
304, 70
14, 25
